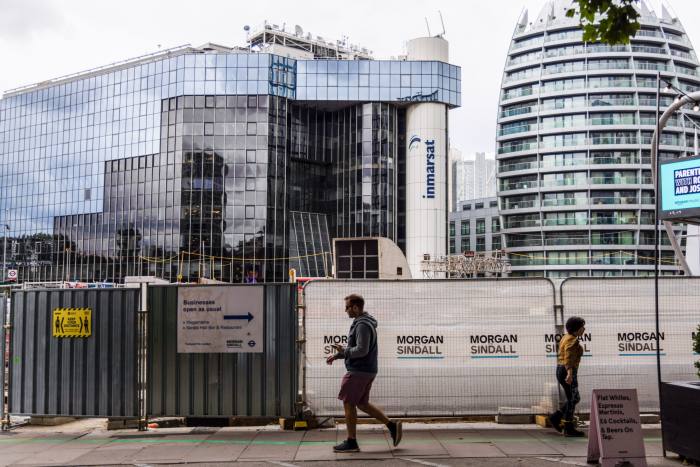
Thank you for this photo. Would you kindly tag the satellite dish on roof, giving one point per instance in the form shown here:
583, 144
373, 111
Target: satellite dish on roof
246, 28
298, 31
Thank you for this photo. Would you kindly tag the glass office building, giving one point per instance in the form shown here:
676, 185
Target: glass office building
232, 164
574, 137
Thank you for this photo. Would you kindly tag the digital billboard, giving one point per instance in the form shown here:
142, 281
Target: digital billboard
680, 189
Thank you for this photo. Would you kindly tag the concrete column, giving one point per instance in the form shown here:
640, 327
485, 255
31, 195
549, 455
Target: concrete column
426, 167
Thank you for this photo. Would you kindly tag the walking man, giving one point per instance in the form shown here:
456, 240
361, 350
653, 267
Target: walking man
361, 365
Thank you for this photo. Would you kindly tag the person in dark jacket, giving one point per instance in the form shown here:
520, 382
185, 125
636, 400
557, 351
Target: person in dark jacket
361, 364
568, 360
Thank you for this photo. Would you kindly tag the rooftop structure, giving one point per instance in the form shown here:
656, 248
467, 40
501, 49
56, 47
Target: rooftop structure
270, 37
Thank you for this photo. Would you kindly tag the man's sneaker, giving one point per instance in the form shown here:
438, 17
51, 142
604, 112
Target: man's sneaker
396, 430
349, 445
555, 421
570, 431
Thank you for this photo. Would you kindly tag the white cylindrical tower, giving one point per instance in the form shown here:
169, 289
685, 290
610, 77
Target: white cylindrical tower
426, 166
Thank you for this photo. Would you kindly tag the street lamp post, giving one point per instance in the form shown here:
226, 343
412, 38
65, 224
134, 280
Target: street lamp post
4, 252
657, 239
661, 120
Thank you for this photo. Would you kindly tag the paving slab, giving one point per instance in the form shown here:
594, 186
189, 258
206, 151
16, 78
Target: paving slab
373, 445
54, 456
318, 445
11, 458
570, 447
519, 443
32, 445
473, 450
282, 445
100, 456
223, 452
160, 453
418, 444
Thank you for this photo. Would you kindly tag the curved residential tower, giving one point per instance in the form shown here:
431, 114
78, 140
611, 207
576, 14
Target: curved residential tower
575, 124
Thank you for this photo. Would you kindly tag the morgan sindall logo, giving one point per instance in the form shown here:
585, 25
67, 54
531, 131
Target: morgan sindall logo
414, 141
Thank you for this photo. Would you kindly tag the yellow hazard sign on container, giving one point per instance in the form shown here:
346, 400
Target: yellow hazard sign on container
72, 322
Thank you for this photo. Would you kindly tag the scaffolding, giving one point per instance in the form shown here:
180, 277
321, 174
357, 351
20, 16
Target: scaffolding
467, 265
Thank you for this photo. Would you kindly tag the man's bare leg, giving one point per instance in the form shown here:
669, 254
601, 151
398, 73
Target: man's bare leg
395, 428
350, 420
374, 411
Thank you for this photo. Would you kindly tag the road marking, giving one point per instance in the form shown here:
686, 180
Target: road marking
418, 461
561, 461
283, 464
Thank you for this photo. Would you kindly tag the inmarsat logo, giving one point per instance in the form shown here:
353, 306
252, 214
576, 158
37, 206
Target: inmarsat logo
429, 164
415, 140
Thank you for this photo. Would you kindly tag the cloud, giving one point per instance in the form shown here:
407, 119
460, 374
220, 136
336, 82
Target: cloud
25, 20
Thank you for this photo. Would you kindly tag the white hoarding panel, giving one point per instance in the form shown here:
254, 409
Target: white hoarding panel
456, 347
445, 347
621, 327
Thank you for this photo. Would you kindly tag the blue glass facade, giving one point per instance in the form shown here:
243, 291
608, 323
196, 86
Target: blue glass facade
188, 165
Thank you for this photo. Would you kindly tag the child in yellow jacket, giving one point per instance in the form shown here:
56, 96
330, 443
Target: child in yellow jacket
568, 360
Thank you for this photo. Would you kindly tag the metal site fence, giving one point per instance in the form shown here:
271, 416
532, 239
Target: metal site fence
129, 366
455, 347
446, 347
94, 376
223, 384
620, 338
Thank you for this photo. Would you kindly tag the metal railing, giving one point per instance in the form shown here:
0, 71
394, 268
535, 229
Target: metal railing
518, 111
613, 200
564, 182
566, 241
517, 148
613, 180
564, 202
516, 129
518, 166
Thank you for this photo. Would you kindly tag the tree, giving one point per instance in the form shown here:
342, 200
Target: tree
617, 20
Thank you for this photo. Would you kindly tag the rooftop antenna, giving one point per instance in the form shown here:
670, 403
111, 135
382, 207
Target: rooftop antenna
427, 25
443, 24
246, 28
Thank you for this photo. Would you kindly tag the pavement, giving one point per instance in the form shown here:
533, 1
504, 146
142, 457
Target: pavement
87, 442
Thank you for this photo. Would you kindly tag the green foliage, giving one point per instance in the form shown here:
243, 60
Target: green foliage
618, 20
696, 348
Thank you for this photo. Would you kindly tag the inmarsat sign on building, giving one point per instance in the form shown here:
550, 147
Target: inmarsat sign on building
426, 166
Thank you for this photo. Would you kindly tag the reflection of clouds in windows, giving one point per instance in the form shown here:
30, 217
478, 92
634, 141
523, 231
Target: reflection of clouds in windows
68, 131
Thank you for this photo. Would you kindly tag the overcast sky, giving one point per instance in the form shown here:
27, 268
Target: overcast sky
45, 39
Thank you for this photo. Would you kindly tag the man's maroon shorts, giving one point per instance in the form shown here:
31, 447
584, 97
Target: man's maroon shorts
354, 388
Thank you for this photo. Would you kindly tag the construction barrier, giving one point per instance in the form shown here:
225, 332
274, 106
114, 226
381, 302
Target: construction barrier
4, 356
73, 352
446, 347
620, 338
456, 347
223, 384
